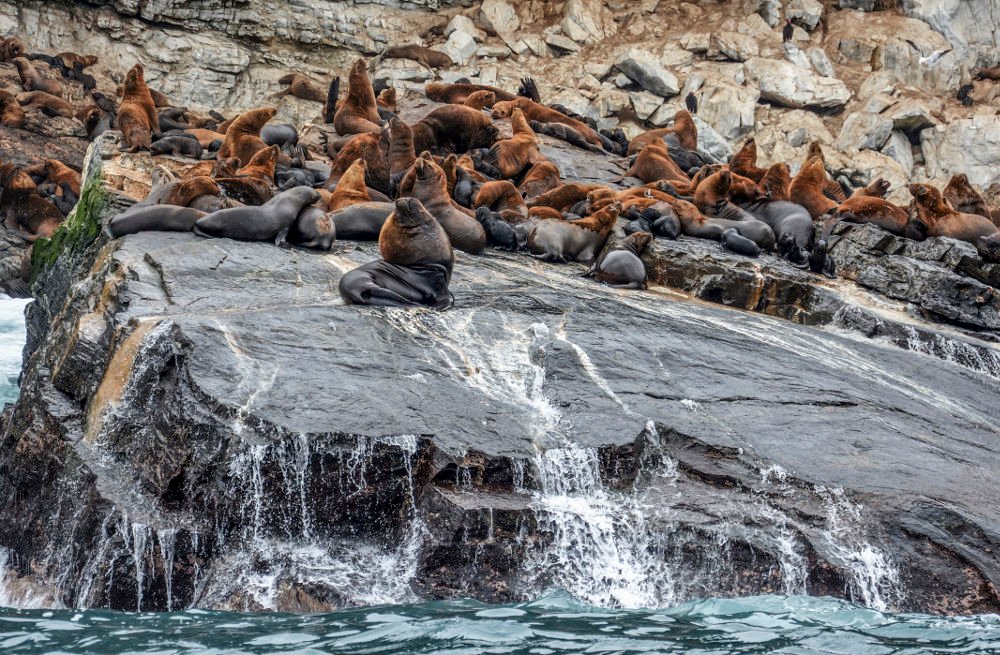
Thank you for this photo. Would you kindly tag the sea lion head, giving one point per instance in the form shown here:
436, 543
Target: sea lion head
135, 76
989, 247
922, 193
397, 127
426, 169
639, 241
411, 212
360, 67
503, 109
22, 64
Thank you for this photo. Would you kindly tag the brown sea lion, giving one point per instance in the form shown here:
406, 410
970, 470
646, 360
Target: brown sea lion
430, 188
622, 266
301, 87
807, 189
503, 198
536, 112
31, 80
965, 199
206, 137
683, 128
877, 189
371, 147
60, 174
261, 165
481, 100
777, 182
425, 56
744, 162
11, 113
453, 128
563, 197
11, 48
71, 59
417, 261
46, 103
989, 74
513, 155
242, 139
582, 240
543, 176
653, 163
932, 216
869, 209
351, 188
459, 93
544, 212
188, 190
387, 100
24, 207
358, 112
137, 117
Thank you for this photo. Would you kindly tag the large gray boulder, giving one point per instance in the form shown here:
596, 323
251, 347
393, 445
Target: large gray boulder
790, 86
645, 70
970, 146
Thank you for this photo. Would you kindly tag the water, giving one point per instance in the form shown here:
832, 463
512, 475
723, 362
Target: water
11, 342
553, 624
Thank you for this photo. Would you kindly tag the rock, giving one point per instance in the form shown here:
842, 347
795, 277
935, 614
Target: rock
498, 17
693, 82
970, 146
970, 24
820, 62
561, 44
790, 86
587, 21
898, 147
863, 131
805, 12
696, 42
611, 102
536, 44
729, 109
732, 46
599, 69
463, 23
796, 56
910, 116
710, 141
643, 69
461, 47
770, 11
495, 51
644, 103
863, 5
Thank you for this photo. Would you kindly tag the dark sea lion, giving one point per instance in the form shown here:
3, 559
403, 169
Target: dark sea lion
358, 112
989, 74
416, 267
360, 222
401, 153
622, 266
332, 99
735, 242
72, 59
137, 117
536, 112
430, 188
498, 233
582, 240
159, 218
683, 128
792, 226
242, 139
313, 228
425, 56
454, 128
177, 145
279, 135
458, 93
268, 222
564, 133
31, 79
300, 87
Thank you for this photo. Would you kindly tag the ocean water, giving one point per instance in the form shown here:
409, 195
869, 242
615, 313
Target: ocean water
11, 343
554, 624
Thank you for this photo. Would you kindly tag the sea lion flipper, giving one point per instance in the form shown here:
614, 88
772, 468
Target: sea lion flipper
282, 239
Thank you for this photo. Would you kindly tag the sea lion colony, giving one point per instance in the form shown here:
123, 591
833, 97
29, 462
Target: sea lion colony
450, 180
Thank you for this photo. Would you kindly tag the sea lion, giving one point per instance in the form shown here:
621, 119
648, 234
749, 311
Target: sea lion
536, 112
622, 266
280, 135
360, 222
807, 189
503, 198
373, 148
207, 138
430, 188
137, 117
541, 177
242, 139
481, 100
59, 173
386, 102
190, 189
268, 222
733, 241
653, 163
564, 133
47, 103
989, 74
358, 112
582, 240
965, 199
744, 162
563, 197
932, 216
72, 60
401, 153
31, 80
792, 226
425, 56
313, 228
301, 87
683, 128
877, 189
176, 145
695, 224
454, 128
11, 113
866, 209
458, 93
351, 188
24, 206
261, 165
159, 218
11, 48
513, 155
332, 98
777, 182
416, 266
498, 232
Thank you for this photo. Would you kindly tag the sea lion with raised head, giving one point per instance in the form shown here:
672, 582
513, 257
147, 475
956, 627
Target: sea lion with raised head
31, 79
807, 189
535, 112
513, 155
932, 216
137, 117
744, 162
242, 139
268, 222
622, 266
430, 188
965, 199
683, 128
358, 111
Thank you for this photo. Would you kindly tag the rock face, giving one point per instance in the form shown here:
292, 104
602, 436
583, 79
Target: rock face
643, 69
970, 146
790, 86
204, 422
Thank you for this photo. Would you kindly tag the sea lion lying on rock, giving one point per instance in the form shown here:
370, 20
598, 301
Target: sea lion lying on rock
622, 266
268, 222
563, 241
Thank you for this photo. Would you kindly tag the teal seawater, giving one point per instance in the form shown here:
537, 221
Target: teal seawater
555, 624
11, 343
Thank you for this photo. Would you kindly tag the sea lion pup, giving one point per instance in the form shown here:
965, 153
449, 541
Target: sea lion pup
653, 163
358, 112
177, 145
965, 199
744, 162
301, 87
284, 135
268, 222
683, 128
733, 241
11, 113
989, 74
621, 267
332, 98
261, 165
877, 189
513, 155
350, 189
481, 100
807, 189
562, 241
243, 136
425, 56
502, 198
31, 80
536, 112
430, 188
137, 117
72, 60
417, 261
11, 48
499, 233
457, 94
867, 209
59, 173
453, 128
932, 216
158, 218
541, 177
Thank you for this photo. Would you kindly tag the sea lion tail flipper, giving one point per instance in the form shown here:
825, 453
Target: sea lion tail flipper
282, 239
